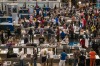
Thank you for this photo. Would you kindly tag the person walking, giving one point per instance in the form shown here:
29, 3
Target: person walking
63, 58
92, 54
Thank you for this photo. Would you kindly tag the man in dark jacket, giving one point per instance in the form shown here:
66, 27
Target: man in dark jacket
18, 32
49, 33
2, 37
31, 35
8, 33
26, 39
36, 24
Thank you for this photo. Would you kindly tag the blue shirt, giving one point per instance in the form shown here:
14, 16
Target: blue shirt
63, 56
62, 34
56, 20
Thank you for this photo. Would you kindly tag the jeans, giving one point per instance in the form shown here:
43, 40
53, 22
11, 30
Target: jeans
35, 63
81, 25
75, 62
21, 63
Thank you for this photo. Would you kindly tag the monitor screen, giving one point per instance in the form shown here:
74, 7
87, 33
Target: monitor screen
25, 16
3, 20
23, 11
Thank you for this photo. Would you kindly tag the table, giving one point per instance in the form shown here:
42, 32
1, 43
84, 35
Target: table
97, 61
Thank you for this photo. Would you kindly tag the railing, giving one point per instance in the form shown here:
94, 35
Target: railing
15, 1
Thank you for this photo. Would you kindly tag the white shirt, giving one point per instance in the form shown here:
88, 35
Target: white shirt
76, 30
21, 55
42, 52
40, 12
50, 53
86, 42
53, 20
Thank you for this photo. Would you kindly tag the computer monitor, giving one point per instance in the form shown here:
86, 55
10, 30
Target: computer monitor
3, 20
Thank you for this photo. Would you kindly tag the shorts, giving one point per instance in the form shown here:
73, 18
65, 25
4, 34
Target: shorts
44, 59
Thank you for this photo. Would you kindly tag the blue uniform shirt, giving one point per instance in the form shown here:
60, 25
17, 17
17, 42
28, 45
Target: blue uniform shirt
56, 20
63, 56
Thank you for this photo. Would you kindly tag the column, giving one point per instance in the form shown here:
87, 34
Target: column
7, 9
2, 4
70, 4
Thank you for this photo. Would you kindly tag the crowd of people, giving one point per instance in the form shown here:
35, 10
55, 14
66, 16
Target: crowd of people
56, 25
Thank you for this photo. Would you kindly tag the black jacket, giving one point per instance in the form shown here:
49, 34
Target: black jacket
30, 32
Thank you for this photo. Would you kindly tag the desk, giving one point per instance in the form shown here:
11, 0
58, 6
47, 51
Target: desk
56, 60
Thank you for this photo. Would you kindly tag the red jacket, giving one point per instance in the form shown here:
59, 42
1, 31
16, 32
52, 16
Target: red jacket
84, 22
82, 42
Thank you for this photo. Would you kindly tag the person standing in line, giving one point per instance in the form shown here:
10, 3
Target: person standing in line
26, 39
31, 34
21, 56
35, 58
41, 39
82, 42
49, 31
76, 56
82, 60
62, 34
58, 33
71, 31
19, 32
2, 37
43, 56
8, 33
50, 57
36, 24
95, 46
92, 54
63, 58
